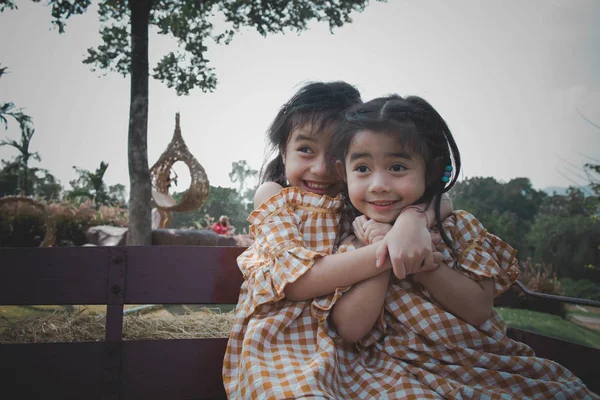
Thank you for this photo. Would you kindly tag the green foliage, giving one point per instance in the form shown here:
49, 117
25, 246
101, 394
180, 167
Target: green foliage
21, 225
564, 234
73, 220
40, 182
221, 201
593, 173
8, 109
20, 163
7, 5
63, 9
583, 289
237, 204
90, 185
505, 209
245, 178
539, 278
189, 22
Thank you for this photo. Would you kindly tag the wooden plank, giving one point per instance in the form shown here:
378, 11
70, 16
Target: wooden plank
183, 275
49, 276
580, 360
60, 370
154, 274
116, 295
173, 369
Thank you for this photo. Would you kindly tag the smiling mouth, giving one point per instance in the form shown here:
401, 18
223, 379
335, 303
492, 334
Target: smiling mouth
320, 187
382, 204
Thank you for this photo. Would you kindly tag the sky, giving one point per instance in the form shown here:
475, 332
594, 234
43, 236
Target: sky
511, 79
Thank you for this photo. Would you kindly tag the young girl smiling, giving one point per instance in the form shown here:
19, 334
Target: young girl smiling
434, 334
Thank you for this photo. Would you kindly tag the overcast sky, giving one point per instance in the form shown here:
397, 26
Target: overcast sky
508, 77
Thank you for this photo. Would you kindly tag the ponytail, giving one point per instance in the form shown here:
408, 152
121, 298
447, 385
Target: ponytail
274, 171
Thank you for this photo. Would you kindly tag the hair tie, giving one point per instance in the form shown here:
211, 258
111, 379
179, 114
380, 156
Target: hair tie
447, 174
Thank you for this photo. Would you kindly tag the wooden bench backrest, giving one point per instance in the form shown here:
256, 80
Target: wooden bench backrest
115, 276
147, 369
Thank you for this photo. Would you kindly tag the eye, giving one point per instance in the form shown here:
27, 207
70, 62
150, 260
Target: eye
398, 168
305, 149
362, 169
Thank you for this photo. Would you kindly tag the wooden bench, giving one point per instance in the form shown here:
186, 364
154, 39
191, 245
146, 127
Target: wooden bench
147, 369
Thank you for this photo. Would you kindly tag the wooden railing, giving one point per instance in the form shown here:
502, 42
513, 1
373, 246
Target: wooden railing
147, 369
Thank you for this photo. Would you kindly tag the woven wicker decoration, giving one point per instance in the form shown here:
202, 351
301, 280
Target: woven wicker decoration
50, 236
197, 193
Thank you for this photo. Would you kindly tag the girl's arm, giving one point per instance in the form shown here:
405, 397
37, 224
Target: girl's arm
334, 271
355, 313
330, 272
467, 299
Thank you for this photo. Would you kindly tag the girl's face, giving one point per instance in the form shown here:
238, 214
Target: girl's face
308, 162
382, 176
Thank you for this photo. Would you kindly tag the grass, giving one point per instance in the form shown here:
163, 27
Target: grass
550, 325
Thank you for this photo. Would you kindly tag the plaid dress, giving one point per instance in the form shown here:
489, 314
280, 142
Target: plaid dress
280, 349
426, 352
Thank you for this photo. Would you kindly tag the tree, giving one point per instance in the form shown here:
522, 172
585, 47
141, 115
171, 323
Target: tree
91, 185
593, 173
505, 209
242, 174
221, 201
22, 160
565, 236
8, 109
41, 182
189, 22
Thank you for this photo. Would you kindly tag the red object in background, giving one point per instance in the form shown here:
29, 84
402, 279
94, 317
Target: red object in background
220, 229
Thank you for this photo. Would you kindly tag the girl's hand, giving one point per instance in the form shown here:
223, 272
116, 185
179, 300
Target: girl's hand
408, 245
438, 260
359, 230
375, 231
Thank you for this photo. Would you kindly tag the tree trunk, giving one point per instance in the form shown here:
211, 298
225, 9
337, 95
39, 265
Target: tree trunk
26, 175
140, 229
26, 180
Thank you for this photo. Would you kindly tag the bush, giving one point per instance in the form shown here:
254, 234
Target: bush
73, 220
540, 278
582, 288
22, 225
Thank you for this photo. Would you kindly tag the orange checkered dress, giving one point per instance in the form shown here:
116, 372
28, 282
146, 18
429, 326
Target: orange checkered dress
280, 349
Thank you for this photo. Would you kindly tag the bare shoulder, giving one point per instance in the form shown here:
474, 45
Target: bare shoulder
265, 192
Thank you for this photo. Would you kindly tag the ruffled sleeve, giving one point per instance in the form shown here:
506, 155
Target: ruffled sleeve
320, 307
478, 253
279, 254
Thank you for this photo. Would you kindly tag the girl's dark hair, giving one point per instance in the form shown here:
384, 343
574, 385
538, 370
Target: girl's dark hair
419, 127
318, 104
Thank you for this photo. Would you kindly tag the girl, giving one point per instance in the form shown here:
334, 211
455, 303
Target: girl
281, 345
438, 335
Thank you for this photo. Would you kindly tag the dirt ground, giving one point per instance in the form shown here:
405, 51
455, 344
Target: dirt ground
591, 321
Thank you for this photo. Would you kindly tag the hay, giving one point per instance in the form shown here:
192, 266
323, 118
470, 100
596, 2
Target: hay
82, 327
